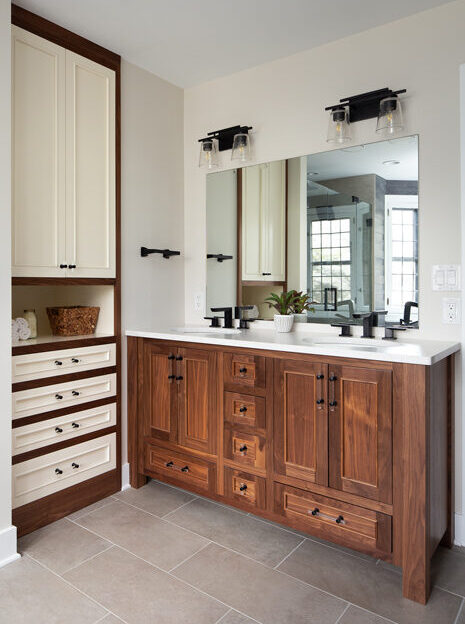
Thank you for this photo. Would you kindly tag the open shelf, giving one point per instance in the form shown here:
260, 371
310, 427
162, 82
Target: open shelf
50, 343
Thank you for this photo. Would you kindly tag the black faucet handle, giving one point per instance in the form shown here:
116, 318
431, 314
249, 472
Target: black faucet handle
215, 320
344, 327
228, 315
389, 332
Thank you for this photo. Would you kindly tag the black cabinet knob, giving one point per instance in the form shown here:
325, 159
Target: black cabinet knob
243, 370
63, 266
58, 396
332, 378
185, 469
75, 425
75, 393
243, 409
58, 363
74, 360
320, 401
171, 377
169, 464
320, 376
171, 356
243, 487
179, 358
315, 511
71, 266
58, 471
243, 448
74, 465
339, 519
332, 403
266, 273
58, 429
179, 378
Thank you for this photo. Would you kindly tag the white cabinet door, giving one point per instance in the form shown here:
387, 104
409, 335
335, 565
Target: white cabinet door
38, 158
90, 168
274, 231
251, 223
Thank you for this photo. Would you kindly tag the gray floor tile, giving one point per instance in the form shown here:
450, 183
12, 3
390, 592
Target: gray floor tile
233, 617
354, 615
155, 498
461, 616
261, 541
139, 593
85, 510
110, 619
448, 570
148, 537
258, 591
367, 585
30, 594
62, 545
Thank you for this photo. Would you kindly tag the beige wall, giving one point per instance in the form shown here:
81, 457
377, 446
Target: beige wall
152, 204
284, 101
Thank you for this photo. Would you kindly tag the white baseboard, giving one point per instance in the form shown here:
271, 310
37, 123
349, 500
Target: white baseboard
125, 477
8, 549
459, 539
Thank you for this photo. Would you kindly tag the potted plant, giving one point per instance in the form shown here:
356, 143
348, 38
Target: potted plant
283, 304
301, 306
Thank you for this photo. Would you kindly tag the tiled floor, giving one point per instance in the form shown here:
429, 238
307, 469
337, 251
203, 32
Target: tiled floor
160, 555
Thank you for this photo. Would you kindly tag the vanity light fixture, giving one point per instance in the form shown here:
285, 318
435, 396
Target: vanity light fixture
236, 138
383, 104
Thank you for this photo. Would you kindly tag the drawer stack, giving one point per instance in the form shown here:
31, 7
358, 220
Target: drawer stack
64, 428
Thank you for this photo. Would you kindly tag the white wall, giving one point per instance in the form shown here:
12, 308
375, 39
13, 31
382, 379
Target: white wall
284, 101
152, 205
7, 532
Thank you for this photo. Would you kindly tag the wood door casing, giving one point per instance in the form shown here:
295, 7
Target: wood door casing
159, 391
360, 431
300, 424
197, 399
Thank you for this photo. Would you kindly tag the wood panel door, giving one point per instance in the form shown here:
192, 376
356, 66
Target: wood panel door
360, 431
159, 391
38, 145
197, 381
301, 420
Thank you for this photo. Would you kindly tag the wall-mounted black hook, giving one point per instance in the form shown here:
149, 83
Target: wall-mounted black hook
219, 257
166, 253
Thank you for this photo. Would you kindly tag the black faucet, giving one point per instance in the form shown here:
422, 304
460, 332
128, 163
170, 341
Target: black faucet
370, 320
243, 323
407, 311
228, 316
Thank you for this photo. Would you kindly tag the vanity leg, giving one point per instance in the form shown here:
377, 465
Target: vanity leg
136, 479
448, 539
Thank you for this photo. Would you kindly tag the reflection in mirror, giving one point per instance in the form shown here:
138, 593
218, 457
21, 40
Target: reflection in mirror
341, 226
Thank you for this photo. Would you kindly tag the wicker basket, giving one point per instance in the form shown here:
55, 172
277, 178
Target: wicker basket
73, 320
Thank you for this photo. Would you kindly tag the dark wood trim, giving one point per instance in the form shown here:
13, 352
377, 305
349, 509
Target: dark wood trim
63, 37
448, 539
59, 379
134, 437
72, 343
263, 283
32, 516
63, 281
239, 238
17, 459
75, 409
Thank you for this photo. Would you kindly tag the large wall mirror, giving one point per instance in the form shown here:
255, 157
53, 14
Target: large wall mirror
341, 226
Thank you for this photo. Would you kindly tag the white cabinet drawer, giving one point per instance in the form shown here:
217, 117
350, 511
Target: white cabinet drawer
57, 396
56, 471
52, 430
60, 362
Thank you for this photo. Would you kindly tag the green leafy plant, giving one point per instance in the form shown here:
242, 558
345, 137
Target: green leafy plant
283, 303
302, 302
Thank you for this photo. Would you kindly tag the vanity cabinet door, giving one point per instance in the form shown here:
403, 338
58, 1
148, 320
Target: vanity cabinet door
196, 380
301, 420
159, 391
360, 431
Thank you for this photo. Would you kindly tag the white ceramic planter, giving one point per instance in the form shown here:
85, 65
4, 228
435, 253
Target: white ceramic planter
301, 317
283, 323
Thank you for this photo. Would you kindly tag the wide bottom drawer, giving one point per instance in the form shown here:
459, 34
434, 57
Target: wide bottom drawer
180, 467
244, 488
328, 518
56, 471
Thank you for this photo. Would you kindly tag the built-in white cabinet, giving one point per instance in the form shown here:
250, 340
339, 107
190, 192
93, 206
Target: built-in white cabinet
64, 217
264, 222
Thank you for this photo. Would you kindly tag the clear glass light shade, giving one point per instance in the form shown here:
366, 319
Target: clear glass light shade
208, 158
389, 116
339, 127
241, 148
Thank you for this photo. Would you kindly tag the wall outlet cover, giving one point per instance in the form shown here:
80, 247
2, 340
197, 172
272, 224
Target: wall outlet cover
446, 277
451, 311
198, 302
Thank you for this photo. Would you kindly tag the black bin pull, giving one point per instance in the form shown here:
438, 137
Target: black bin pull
243, 487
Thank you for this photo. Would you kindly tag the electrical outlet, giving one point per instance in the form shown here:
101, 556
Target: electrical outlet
198, 302
451, 311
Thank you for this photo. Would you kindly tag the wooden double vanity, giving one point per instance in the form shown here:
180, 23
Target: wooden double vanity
354, 451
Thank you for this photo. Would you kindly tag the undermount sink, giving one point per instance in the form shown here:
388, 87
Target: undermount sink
206, 330
368, 344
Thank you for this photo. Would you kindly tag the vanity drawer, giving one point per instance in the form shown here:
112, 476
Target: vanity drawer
56, 471
244, 372
245, 410
61, 362
246, 449
329, 518
182, 468
52, 430
57, 396
246, 489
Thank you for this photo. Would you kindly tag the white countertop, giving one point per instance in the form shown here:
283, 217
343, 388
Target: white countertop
405, 350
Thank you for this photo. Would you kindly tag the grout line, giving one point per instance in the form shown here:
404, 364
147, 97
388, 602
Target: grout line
459, 612
173, 510
448, 591
342, 614
189, 557
173, 487
88, 559
354, 554
223, 616
289, 554
92, 510
274, 524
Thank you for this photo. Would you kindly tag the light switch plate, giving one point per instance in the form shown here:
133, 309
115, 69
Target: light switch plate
446, 277
451, 312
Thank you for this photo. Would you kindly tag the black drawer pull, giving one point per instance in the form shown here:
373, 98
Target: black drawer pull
58, 430
58, 396
63, 266
58, 363
169, 464
171, 356
75, 393
243, 409
179, 378
179, 358
243, 448
71, 266
58, 471
315, 511
74, 465
243, 487
170, 377
333, 403
339, 519
74, 360
75, 425
243, 370
185, 469
320, 376
333, 378
320, 401
266, 273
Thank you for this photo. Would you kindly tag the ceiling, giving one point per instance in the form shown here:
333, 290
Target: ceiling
188, 42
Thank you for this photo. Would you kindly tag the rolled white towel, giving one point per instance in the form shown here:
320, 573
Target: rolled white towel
14, 331
21, 322
24, 333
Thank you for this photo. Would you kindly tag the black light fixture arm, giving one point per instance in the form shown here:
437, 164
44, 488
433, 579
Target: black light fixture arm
225, 137
364, 105
166, 253
219, 257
